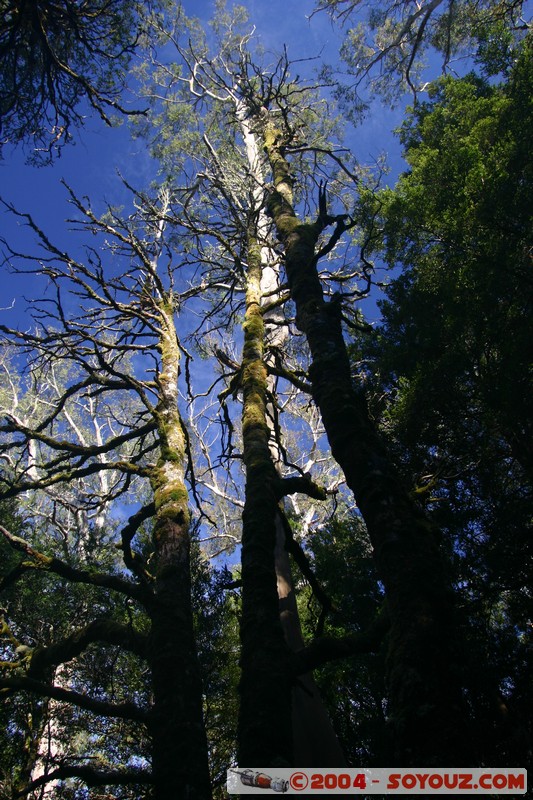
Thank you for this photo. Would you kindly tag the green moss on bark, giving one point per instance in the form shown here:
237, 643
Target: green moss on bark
180, 748
265, 733
424, 690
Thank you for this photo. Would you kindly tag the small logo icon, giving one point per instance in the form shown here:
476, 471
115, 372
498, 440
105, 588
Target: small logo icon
262, 781
299, 781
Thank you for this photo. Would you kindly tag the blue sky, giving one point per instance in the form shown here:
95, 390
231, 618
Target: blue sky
92, 163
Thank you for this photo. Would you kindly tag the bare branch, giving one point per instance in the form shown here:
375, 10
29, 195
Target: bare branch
327, 648
39, 561
89, 776
100, 630
100, 707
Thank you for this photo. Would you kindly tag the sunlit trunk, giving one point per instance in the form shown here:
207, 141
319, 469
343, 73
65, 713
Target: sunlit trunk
265, 734
43, 747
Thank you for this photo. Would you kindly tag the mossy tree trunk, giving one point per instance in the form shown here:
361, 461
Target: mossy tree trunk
313, 740
425, 708
180, 768
121, 310
265, 730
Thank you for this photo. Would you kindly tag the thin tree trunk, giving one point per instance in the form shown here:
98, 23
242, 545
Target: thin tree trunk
315, 741
263, 282
426, 715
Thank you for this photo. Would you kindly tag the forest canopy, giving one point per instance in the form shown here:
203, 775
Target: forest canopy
242, 522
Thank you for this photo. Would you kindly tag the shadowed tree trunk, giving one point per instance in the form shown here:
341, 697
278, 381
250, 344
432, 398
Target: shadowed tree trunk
315, 742
265, 730
174, 716
312, 734
426, 715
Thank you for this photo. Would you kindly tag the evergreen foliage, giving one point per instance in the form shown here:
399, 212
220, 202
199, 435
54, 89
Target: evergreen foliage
452, 361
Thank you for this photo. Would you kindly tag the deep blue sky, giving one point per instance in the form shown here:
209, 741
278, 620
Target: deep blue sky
91, 165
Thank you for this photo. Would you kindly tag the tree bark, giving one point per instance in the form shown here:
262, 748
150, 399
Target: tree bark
179, 744
265, 730
425, 707
313, 735
315, 742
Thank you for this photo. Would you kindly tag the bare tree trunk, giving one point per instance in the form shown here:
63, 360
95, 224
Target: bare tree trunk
179, 744
48, 746
314, 740
313, 737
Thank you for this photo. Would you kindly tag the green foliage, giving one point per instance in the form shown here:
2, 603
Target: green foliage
454, 356
14, 712
217, 611
496, 49
41, 609
54, 58
392, 47
459, 224
353, 689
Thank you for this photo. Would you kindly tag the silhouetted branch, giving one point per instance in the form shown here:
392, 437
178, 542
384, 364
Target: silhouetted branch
100, 707
90, 776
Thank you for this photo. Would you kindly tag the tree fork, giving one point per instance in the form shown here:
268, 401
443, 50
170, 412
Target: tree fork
426, 714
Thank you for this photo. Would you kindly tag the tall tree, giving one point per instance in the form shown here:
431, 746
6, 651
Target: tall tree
425, 693
250, 247
120, 310
220, 85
